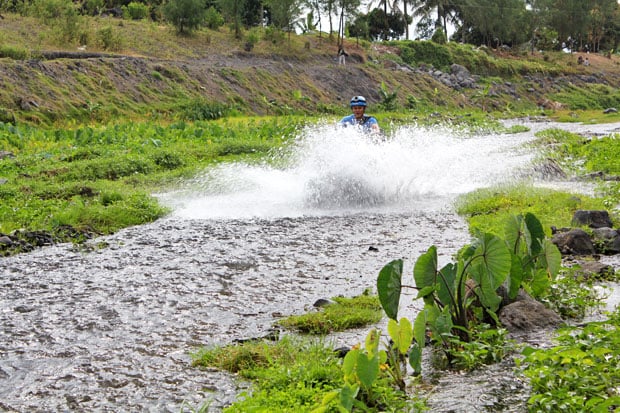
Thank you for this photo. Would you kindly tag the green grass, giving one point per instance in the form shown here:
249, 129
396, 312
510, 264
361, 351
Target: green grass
343, 314
581, 373
100, 179
489, 208
290, 375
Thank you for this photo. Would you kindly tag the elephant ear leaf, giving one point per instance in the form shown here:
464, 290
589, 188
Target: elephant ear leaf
389, 286
425, 269
537, 233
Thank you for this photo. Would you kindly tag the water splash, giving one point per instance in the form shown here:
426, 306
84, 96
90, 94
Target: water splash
332, 170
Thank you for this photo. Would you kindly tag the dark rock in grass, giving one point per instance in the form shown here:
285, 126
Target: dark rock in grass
528, 315
322, 302
574, 242
593, 219
593, 270
606, 240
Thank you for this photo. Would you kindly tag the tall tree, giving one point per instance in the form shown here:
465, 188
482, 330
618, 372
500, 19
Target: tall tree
185, 15
233, 12
346, 7
284, 13
444, 10
570, 19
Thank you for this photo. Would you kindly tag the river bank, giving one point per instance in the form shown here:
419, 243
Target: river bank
109, 325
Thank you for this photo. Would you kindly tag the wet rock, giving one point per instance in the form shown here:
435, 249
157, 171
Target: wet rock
322, 302
593, 219
528, 315
593, 269
606, 240
550, 169
574, 242
6, 154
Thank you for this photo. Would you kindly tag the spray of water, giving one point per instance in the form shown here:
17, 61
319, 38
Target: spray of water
332, 170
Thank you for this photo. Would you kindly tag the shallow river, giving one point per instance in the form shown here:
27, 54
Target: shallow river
110, 327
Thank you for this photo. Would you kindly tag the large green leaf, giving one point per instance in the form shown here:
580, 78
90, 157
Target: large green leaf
489, 267
537, 233
553, 258
367, 369
347, 394
446, 284
389, 287
494, 260
425, 268
541, 282
513, 234
401, 334
516, 277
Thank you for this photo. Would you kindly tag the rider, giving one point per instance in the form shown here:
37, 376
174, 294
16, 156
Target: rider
358, 107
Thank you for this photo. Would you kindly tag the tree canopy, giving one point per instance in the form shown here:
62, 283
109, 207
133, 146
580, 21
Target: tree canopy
592, 25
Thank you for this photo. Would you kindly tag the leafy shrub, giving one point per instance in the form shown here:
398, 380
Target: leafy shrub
439, 36
251, 39
168, 160
201, 109
581, 374
93, 7
431, 53
135, 11
185, 15
213, 18
273, 35
15, 53
109, 39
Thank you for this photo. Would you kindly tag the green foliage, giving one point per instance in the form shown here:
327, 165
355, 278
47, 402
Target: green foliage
97, 178
581, 373
135, 11
437, 55
439, 36
572, 296
185, 15
388, 99
523, 259
488, 345
200, 109
343, 314
109, 39
369, 376
489, 208
582, 156
288, 375
14, 53
213, 18
273, 35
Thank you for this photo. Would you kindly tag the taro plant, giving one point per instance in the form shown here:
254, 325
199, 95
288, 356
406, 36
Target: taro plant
581, 373
366, 386
471, 290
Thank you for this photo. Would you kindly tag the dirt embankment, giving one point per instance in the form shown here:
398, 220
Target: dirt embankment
102, 86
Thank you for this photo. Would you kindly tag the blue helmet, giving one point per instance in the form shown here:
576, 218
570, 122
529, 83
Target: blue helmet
358, 101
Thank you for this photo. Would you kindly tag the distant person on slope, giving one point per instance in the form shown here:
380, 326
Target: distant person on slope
358, 118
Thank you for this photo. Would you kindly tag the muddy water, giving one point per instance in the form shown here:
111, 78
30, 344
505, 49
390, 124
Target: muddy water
110, 327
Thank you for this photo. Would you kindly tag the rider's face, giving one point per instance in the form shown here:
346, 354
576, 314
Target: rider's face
358, 111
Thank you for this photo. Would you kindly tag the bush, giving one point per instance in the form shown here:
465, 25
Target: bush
108, 39
14, 53
421, 51
213, 18
200, 109
135, 11
185, 15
